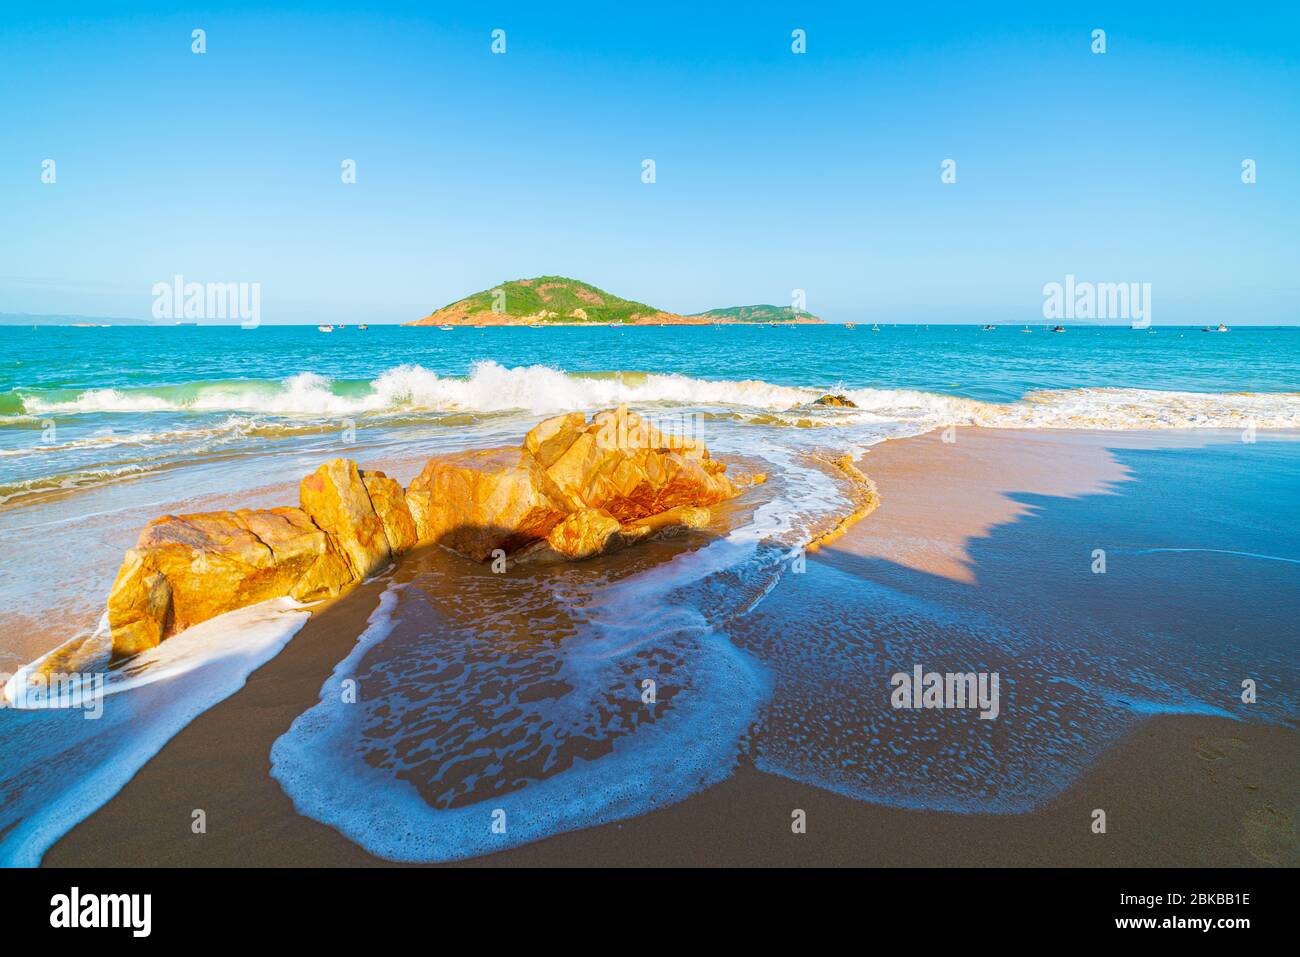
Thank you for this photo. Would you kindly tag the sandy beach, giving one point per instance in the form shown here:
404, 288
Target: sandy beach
1178, 789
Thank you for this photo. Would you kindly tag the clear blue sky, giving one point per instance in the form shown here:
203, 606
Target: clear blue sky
775, 171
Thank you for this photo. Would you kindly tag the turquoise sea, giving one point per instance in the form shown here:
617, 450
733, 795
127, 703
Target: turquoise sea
102, 429
82, 406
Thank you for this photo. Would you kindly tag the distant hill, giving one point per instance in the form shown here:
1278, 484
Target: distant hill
558, 300
40, 319
759, 313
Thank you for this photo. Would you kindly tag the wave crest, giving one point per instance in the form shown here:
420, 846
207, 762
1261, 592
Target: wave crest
540, 390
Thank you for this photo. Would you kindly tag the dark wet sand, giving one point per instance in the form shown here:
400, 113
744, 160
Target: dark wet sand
1178, 791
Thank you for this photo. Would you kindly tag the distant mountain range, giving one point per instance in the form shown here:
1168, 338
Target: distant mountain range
558, 300
760, 313
37, 319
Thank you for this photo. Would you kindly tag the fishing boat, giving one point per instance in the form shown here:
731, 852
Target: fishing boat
988, 327
363, 326
325, 328
849, 325
446, 328
1058, 328
1220, 328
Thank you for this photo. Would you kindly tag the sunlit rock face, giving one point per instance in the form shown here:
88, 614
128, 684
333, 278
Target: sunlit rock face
478, 502
186, 569
624, 465
389, 501
337, 500
573, 490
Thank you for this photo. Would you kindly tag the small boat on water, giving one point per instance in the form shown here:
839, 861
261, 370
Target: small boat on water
1058, 328
849, 325
446, 328
988, 327
1221, 328
363, 326
1026, 329
325, 328
876, 328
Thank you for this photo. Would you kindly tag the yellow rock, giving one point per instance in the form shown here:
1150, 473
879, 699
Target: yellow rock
479, 501
78, 656
389, 502
139, 607
188, 568
575, 489
337, 501
624, 465
837, 401
587, 532
550, 439
684, 516
592, 531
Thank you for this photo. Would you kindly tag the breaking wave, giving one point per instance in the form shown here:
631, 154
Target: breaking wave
491, 387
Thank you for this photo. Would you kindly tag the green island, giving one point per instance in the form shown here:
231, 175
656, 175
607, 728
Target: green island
559, 300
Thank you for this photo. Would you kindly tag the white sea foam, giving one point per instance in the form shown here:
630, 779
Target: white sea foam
541, 390
60, 767
319, 765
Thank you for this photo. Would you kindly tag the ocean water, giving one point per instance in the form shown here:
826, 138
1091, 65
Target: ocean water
523, 695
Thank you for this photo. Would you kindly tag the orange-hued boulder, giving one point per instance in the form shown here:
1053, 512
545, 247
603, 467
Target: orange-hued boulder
681, 517
622, 464
548, 440
77, 656
476, 502
588, 532
574, 483
389, 502
573, 490
592, 531
836, 401
139, 606
336, 499
186, 569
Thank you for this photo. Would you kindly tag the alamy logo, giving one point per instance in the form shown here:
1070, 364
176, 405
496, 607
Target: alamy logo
54, 690
934, 689
670, 430
103, 910
1100, 300
208, 301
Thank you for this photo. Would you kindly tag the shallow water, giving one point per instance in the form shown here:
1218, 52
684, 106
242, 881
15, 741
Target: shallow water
524, 693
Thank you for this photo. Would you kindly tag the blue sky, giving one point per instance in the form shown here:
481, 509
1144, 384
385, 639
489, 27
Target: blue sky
775, 171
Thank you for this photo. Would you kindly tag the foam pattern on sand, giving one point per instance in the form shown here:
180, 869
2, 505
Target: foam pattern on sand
63, 764
456, 748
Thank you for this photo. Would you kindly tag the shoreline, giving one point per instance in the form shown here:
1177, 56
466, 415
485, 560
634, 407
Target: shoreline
1179, 790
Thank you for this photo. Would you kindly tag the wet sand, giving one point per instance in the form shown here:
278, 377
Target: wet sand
1179, 790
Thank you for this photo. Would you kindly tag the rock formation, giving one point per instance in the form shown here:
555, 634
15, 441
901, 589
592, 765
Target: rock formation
338, 501
837, 401
573, 490
188, 568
